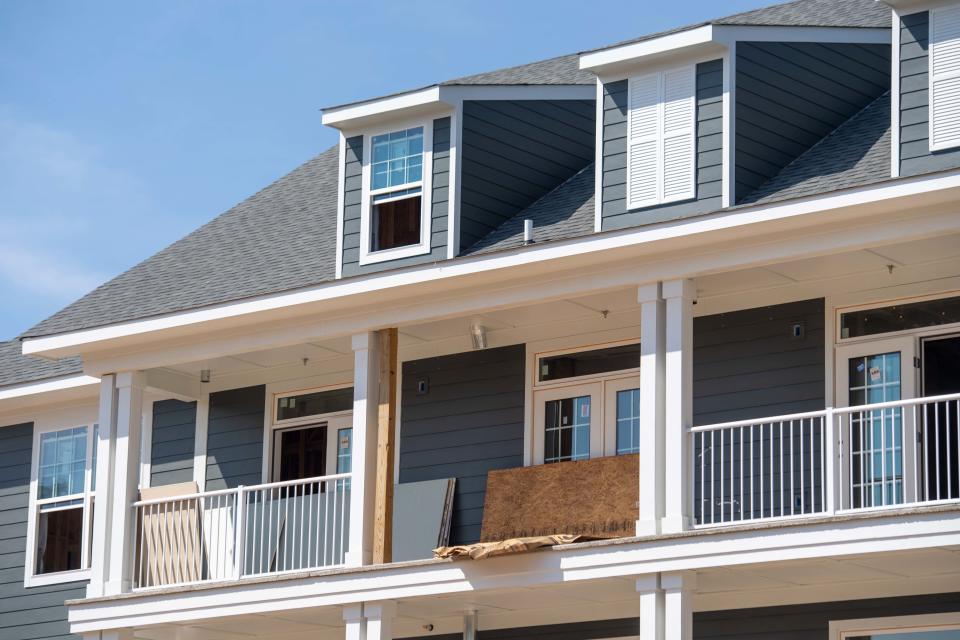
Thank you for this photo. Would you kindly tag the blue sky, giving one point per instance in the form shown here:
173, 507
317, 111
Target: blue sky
124, 125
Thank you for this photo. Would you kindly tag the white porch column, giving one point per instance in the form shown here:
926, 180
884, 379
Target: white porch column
364, 453
652, 473
379, 617
126, 480
677, 605
666, 611
353, 617
102, 529
678, 397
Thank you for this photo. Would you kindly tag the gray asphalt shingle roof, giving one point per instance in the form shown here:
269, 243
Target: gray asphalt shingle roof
283, 237
799, 13
16, 368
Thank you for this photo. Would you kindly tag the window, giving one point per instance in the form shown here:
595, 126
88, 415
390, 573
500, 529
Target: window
395, 222
62, 505
935, 626
306, 438
344, 444
661, 132
899, 317
587, 404
944, 68
318, 402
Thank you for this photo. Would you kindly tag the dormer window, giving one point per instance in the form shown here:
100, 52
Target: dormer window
661, 130
395, 220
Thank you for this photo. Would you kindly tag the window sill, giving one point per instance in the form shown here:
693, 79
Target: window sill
386, 255
61, 577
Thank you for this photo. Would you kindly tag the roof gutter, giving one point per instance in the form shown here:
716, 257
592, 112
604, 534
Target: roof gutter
399, 285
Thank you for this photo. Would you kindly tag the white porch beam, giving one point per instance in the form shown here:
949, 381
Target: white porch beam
364, 454
126, 476
652, 474
678, 409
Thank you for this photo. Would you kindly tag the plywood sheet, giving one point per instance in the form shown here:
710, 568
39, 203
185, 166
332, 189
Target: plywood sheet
595, 498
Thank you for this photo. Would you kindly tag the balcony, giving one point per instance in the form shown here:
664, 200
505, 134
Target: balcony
835, 461
276, 528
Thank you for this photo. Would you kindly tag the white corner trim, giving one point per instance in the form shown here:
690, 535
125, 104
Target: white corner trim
728, 176
347, 114
917, 187
48, 386
341, 180
598, 160
146, 441
453, 196
895, 95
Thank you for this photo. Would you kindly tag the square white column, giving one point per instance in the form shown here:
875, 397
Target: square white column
651, 607
678, 398
364, 449
126, 480
652, 475
355, 629
379, 617
102, 530
677, 605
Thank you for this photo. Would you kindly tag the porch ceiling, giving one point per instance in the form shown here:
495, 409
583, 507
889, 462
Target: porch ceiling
769, 584
929, 261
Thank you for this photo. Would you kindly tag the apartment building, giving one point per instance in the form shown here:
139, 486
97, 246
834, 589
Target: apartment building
658, 341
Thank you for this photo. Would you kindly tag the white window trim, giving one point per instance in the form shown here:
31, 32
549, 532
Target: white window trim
426, 193
603, 436
334, 422
660, 199
30, 579
843, 629
953, 144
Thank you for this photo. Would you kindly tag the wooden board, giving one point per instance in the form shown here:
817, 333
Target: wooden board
595, 498
386, 429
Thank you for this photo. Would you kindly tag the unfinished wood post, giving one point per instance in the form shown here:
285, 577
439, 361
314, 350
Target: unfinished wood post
386, 428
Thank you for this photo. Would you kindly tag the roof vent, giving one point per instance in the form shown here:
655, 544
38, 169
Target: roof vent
528, 231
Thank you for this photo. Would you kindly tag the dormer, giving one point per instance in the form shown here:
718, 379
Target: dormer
926, 102
427, 175
705, 118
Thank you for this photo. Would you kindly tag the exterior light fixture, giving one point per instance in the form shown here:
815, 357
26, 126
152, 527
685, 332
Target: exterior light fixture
204, 375
478, 335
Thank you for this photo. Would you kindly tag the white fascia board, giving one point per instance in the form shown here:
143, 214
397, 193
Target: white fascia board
625, 559
909, 192
352, 115
47, 387
601, 60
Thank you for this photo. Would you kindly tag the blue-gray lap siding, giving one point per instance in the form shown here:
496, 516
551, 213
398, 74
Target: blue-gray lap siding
38, 612
516, 151
790, 95
352, 204
469, 422
791, 622
746, 364
172, 442
709, 165
235, 438
915, 154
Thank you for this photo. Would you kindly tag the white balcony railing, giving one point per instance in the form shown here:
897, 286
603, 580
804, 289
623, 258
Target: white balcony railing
824, 462
236, 533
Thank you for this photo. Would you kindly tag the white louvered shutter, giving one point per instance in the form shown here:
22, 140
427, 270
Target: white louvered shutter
660, 137
643, 144
679, 127
944, 78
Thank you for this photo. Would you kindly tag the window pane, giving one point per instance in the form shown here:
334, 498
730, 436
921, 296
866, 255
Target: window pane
567, 429
302, 453
584, 363
628, 421
59, 535
344, 447
395, 223
311, 404
900, 317
394, 156
63, 456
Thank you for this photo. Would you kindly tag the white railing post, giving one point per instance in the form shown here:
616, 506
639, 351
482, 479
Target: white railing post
239, 532
908, 449
831, 461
